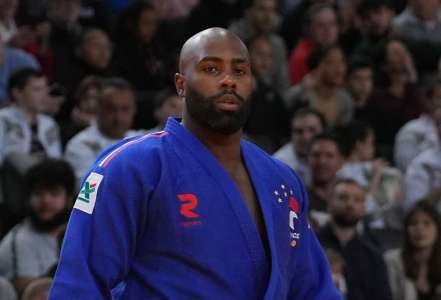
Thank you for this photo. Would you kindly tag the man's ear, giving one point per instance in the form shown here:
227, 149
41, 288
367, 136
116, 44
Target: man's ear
180, 84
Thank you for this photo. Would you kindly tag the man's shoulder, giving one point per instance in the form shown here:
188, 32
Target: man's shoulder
140, 147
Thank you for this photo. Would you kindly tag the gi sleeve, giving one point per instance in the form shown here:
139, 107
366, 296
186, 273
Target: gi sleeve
312, 279
107, 219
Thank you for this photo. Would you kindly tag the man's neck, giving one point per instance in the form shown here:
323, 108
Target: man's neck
225, 147
343, 234
320, 188
31, 117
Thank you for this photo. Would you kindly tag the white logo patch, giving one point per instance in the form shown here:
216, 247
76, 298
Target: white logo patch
87, 197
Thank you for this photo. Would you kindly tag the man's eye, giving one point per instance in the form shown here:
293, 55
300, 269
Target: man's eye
210, 69
240, 72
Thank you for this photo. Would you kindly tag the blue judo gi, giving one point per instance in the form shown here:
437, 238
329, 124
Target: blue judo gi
160, 213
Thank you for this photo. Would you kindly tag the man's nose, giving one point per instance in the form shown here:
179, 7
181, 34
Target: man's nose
228, 82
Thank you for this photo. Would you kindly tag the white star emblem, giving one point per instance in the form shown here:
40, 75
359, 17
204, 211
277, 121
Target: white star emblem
282, 186
276, 193
280, 200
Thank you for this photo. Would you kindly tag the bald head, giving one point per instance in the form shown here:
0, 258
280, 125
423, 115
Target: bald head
195, 47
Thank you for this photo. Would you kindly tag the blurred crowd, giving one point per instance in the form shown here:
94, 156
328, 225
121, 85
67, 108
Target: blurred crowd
348, 94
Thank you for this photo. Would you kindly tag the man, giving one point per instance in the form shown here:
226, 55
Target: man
261, 18
419, 26
420, 134
326, 156
365, 269
306, 123
12, 60
31, 248
115, 111
26, 134
423, 176
194, 212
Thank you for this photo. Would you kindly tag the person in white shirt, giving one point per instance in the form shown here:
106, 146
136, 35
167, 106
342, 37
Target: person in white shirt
423, 176
114, 117
419, 134
305, 124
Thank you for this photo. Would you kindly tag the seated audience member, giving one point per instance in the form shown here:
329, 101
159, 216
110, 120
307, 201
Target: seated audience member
26, 135
306, 123
38, 289
420, 134
114, 116
383, 184
7, 291
31, 248
376, 21
322, 30
364, 270
419, 26
12, 60
140, 53
23, 129
324, 89
93, 55
360, 85
415, 268
395, 102
267, 124
8, 27
337, 265
168, 104
261, 18
326, 157
84, 110
423, 176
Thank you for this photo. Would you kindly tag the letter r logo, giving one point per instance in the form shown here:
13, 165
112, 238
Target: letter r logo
188, 203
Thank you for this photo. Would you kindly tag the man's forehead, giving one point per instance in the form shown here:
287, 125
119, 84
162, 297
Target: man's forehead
219, 45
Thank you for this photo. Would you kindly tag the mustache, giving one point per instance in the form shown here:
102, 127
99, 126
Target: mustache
226, 92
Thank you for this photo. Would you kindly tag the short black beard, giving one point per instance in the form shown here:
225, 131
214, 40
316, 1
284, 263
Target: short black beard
203, 110
47, 225
344, 221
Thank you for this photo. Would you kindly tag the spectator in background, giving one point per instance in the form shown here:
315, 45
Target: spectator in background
322, 31
261, 18
212, 13
66, 31
419, 26
423, 176
168, 104
85, 106
365, 270
23, 129
39, 44
325, 92
383, 184
376, 17
325, 158
8, 27
12, 60
360, 85
415, 268
268, 104
420, 134
306, 123
30, 249
114, 116
395, 102
293, 24
38, 289
92, 57
140, 56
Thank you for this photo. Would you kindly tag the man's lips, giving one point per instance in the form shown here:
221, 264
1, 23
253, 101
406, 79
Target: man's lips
228, 103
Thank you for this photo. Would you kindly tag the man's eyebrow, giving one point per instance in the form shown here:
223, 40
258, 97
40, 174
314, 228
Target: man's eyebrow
210, 58
218, 59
